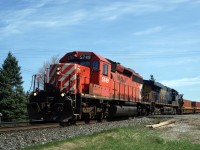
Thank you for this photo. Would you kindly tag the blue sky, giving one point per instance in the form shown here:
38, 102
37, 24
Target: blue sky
156, 37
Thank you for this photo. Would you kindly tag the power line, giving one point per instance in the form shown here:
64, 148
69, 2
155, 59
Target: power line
35, 53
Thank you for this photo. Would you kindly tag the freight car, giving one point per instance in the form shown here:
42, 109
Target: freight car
187, 107
196, 107
84, 85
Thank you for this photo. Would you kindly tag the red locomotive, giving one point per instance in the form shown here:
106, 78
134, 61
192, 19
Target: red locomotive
85, 85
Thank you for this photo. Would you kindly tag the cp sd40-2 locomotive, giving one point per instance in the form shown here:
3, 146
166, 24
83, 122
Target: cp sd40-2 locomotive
84, 85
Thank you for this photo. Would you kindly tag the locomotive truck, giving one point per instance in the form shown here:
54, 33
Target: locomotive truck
84, 86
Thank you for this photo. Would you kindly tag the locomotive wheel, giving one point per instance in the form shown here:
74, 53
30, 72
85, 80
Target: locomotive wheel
64, 124
100, 117
87, 121
86, 118
68, 123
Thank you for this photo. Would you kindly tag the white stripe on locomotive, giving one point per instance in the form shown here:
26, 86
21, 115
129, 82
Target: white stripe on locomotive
70, 80
53, 69
67, 73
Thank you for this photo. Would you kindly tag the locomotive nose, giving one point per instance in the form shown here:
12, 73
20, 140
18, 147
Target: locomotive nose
63, 76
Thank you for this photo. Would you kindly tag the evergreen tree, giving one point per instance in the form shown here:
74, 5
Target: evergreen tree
12, 96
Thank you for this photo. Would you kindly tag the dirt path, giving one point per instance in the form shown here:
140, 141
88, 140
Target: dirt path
186, 127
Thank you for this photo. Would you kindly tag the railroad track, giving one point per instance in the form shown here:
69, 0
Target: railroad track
162, 116
12, 127
28, 126
172, 116
22, 126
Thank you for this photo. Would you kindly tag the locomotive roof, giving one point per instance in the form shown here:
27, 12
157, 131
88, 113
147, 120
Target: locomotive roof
78, 53
114, 65
157, 84
102, 58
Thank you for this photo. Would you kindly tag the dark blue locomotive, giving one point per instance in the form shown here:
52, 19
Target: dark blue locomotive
164, 100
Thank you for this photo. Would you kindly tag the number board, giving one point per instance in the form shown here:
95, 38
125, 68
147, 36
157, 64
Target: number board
85, 57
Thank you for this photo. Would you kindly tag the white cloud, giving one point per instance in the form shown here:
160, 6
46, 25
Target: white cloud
51, 13
65, 20
136, 8
118, 9
33, 17
184, 82
149, 31
8, 30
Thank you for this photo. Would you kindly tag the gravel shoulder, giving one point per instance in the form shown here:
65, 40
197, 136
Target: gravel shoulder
186, 127
21, 139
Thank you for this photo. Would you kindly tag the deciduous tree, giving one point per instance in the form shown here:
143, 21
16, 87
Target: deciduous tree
45, 68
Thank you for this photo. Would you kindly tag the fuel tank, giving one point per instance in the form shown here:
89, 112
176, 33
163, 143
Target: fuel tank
120, 111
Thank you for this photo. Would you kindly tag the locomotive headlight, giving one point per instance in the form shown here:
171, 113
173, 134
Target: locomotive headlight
62, 94
58, 73
58, 68
34, 94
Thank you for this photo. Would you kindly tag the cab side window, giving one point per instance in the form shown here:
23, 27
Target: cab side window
95, 65
105, 69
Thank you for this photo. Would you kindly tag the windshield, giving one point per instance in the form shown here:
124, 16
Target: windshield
85, 63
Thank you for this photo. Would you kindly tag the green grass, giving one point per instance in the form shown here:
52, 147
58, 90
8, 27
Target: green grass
123, 138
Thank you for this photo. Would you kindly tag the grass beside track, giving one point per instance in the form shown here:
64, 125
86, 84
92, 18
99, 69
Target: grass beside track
129, 138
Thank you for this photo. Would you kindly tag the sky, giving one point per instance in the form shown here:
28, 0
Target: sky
152, 37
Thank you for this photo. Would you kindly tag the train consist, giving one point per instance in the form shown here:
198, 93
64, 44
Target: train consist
84, 86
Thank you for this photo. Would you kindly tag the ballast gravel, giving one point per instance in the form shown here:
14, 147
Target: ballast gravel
21, 139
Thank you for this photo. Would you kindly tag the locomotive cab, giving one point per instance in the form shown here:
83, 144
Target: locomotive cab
99, 71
